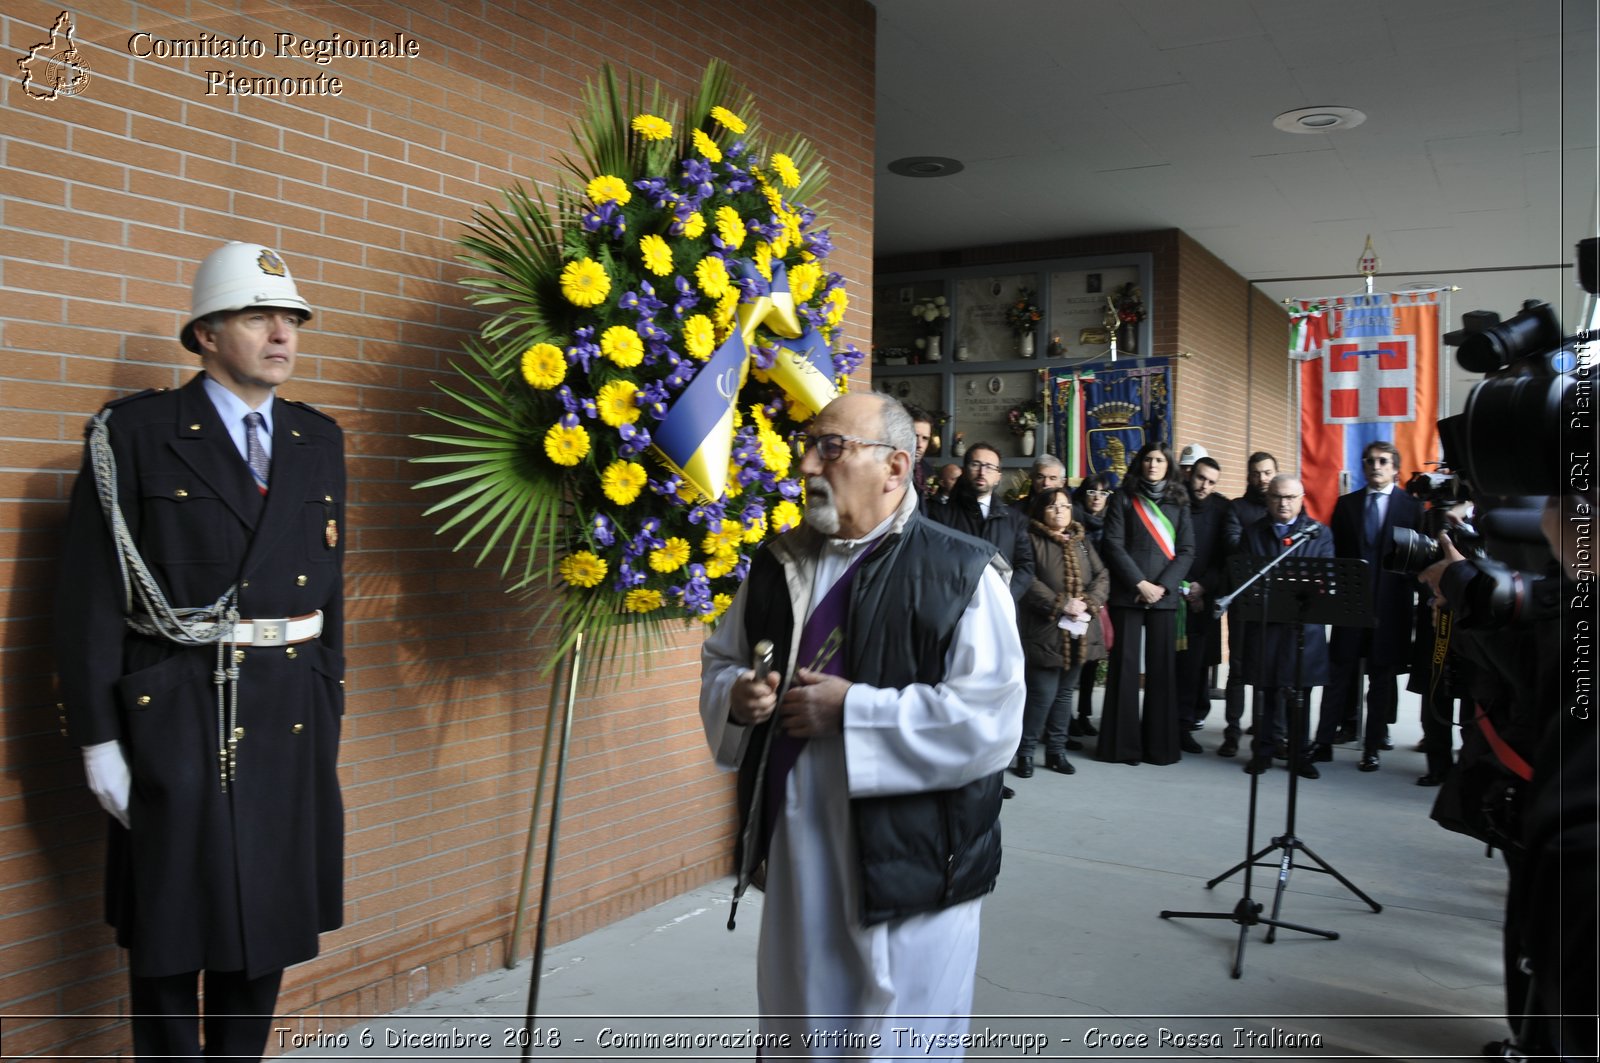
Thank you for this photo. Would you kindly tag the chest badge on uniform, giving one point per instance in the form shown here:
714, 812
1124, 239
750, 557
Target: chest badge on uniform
330, 534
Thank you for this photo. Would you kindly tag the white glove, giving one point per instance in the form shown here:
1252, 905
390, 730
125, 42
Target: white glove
109, 778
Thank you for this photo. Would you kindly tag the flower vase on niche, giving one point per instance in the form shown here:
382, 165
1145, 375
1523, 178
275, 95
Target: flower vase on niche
1027, 445
932, 352
963, 352
1026, 345
1128, 339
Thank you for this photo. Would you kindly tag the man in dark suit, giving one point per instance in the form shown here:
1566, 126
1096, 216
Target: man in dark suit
974, 508
921, 471
227, 828
1269, 649
1216, 535
1363, 526
1248, 508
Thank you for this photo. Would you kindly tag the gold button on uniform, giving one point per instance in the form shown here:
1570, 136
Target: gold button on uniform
238, 655
238, 732
181, 493
300, 581
295, 432
194, 428
327, 498
291, 652
144, 699
297, 728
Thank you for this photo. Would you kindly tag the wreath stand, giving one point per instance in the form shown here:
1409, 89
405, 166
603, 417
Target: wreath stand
574, 663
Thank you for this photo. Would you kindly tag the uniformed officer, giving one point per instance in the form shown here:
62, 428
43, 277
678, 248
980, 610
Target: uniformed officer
199, 639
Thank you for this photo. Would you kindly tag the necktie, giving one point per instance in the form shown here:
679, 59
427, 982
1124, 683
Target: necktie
254, 453
1374, 523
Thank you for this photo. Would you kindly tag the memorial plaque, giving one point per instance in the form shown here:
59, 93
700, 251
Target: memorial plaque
982, 332
982, 402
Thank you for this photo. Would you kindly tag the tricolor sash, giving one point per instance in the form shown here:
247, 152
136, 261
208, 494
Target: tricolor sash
1158, 525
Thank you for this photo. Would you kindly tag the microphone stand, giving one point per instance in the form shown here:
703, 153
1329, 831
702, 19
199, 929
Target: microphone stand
1323, 573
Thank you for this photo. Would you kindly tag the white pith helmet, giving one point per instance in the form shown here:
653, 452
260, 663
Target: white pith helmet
1192, 453
236, 276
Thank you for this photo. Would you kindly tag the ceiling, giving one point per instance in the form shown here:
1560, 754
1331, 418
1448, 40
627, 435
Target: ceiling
1075, 117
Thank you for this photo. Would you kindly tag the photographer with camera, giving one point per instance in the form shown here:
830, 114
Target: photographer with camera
1526, 781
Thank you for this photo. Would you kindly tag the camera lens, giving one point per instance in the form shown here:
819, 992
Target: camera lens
1410, 551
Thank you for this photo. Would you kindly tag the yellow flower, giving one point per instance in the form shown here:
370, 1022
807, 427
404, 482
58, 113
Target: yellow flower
838, 302
785, 515
719, 605
803, 281
642, 600
730, 226
656, 254
617, 403
775, 454
699, 337
726, 306
608, 189
712, 273
725, 537
651, 128
706, 146
721, 563
787, 173
755, 530
543, 365
763, 260
694, 226
585, 283
670, 557
582, 569
566, 446
774, 200
622, 481
622, 345
728, 120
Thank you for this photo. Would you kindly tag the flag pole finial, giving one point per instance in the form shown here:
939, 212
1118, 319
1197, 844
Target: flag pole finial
1368, 266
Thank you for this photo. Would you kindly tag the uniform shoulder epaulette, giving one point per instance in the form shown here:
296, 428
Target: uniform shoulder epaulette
309, 409
145, 394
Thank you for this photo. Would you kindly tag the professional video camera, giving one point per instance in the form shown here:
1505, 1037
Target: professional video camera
1412, 550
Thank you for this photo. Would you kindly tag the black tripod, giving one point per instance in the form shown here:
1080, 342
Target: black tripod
1311, 590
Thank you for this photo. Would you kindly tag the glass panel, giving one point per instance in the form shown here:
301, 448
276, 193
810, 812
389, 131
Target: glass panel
982, 403
925, 391
902, 333
983, 333
1078, 310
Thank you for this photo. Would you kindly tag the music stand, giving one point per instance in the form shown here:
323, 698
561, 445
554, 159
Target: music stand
1308, 590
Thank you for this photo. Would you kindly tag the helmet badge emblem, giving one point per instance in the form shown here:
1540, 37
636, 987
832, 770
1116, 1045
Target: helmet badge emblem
270, 263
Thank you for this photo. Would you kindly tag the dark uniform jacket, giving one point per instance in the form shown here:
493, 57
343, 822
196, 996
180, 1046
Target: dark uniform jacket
206, 879
1269, 658
1393, 593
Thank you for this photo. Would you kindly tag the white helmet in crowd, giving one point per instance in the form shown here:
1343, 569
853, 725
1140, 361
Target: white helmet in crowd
236, 276
1192, 453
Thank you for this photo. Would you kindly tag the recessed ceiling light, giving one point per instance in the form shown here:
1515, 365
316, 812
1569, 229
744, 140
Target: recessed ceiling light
926, 166
1319, 119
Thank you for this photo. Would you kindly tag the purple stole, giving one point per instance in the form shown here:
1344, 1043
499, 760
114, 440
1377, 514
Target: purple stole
820, 642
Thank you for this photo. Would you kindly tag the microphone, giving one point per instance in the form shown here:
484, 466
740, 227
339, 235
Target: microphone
761, 659
1310, 531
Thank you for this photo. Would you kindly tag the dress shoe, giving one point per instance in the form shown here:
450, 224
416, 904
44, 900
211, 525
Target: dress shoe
1228, 748
1058, 762
1369, 761
1007, 793
1187, 743
1433, 778
1074, 744
1194, 725
1131, 763
1280, 751
1086, 727
1307, 770
1344, 734
1023, 768
1257, 765
1321, 753
1386, 745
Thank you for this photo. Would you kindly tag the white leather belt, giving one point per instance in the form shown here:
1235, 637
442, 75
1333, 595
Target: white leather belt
284, 632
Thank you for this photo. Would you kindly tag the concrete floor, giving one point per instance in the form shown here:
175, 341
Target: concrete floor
1074, 948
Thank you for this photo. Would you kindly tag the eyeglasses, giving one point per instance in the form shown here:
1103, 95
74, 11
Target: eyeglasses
983, 466
1097, 493
832, 447
1376, 459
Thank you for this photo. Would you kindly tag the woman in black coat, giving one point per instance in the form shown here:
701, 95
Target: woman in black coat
1071, 582
1148, 546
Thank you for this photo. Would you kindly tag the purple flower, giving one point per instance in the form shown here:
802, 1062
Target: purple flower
789, 489
602, 530
635, 440
687, 299
569, 402
627, 577
680, 376
708, 513
819, 242
584, 351
697, 180
752, 513
669, 487
765, 356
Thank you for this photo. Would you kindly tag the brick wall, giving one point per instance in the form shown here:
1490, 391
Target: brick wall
109, 199
1231, 390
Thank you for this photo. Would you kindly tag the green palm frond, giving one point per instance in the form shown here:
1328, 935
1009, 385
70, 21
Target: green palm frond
519, 251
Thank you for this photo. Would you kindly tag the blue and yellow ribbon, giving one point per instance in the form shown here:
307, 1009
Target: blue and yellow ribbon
696, 436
